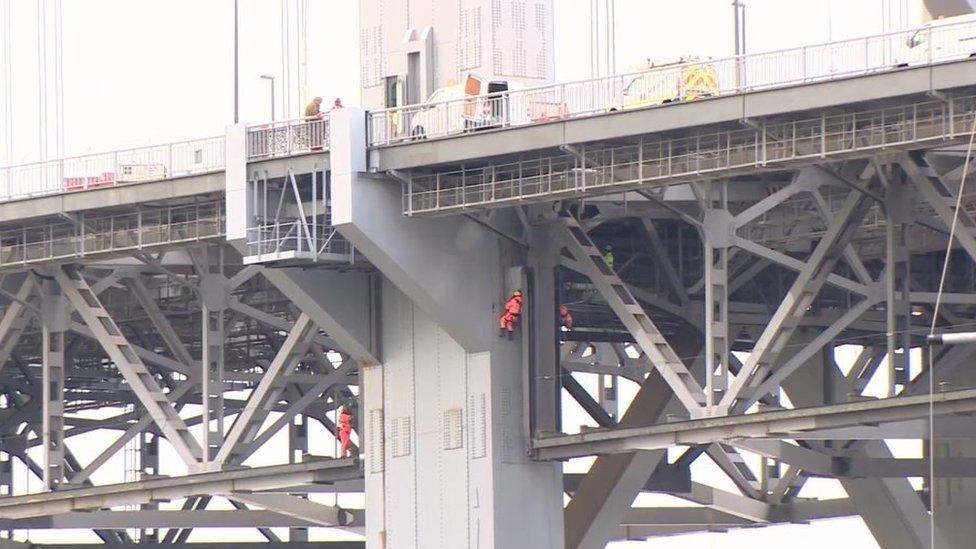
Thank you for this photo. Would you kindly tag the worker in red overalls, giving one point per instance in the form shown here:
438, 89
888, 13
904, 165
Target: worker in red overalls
345, 430
566, 317
513, 309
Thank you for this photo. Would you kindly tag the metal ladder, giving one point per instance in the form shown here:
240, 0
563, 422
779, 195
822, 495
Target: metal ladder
139, 378
648, 337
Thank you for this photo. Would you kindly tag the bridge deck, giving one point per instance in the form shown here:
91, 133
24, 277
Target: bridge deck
676, 118
871, 69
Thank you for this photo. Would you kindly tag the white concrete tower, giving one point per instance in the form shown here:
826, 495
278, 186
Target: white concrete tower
408, 49
443, 407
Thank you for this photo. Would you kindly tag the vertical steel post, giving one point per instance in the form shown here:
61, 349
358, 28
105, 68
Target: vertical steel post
213, 297
236, 71
297, 450
716, 264
54, 320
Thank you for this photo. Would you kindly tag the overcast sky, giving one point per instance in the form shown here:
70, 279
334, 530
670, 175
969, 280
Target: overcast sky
138, 72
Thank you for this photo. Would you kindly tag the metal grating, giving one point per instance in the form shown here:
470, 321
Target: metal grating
477, 419
453, 429
401, 435
376, 453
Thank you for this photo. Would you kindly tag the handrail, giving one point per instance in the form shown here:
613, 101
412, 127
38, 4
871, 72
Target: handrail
288, 137
119, 151
734, 74
111, 168
936, 42
159, 162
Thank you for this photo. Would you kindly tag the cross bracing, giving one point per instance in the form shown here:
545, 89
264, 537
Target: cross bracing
154, 298
742, 287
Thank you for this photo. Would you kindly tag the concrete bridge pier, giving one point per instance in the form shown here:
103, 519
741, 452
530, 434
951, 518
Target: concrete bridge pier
446, 445
954, 496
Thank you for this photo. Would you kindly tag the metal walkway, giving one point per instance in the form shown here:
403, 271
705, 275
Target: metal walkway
160, 162
770, 144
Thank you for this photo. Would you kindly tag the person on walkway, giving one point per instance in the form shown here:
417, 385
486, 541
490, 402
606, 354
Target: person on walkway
513, 309
608, 256
346, 420
314, 109
337, 104
566, 317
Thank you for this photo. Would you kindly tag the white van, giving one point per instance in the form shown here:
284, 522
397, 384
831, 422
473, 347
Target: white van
948, 38
473, 105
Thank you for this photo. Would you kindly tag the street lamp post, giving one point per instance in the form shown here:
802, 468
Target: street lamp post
237, 95
270, 79
740, 40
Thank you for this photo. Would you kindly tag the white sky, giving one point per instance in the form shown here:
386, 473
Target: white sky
138, 72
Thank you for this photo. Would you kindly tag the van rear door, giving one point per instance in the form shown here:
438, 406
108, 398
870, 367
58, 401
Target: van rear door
498, 103
472, 89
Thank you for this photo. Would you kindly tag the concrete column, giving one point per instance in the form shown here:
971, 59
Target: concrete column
447, 395
240, 212
543, 380
954, 499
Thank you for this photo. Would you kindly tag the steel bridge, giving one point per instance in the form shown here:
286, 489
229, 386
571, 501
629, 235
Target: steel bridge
171, 315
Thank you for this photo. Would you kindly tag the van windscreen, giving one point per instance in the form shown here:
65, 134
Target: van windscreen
497, 87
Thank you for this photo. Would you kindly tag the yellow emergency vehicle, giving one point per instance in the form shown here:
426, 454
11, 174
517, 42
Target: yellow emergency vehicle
681, 80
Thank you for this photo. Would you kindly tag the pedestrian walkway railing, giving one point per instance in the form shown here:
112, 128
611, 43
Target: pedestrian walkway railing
92, 171
159, 162
297, 239
288, 138
675, 82
937, 43
772, 144
94, 235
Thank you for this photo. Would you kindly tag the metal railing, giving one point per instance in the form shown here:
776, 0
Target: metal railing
158, 162
937, 43
153, 163
295, 239
773, 144
288, 138
92, 235
814, 63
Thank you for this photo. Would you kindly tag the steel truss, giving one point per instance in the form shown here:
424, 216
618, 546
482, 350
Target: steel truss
292, 220
164, 343
853, 264
804, 250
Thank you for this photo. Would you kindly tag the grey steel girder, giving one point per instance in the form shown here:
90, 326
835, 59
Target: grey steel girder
129, 364
801, 295
219, 482
623, 303
251, 418
783, 423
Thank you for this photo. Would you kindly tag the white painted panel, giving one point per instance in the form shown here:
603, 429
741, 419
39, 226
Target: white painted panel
398, 348
482, 485
453, 487
371, 381
237, 202
427, 365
